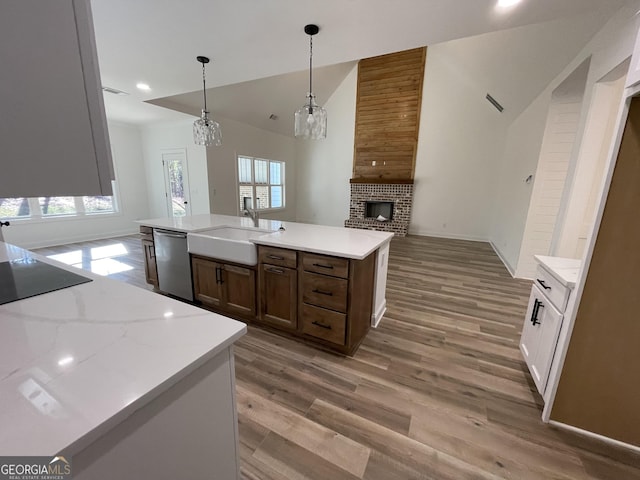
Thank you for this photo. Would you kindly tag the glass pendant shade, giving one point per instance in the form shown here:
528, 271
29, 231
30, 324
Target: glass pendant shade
207, 132
311, 120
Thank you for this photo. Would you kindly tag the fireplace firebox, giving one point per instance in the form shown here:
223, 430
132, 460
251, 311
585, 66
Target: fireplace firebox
376, 209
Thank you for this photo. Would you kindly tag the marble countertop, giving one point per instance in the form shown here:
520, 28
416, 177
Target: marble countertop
565, 270
337, 241
76, 362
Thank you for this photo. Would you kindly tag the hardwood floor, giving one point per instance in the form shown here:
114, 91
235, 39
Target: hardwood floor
438, 391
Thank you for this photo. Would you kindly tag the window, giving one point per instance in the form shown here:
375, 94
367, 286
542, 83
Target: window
262, 181
48, 207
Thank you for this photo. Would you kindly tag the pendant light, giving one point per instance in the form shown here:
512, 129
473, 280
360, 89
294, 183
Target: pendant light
205, 130
311, 119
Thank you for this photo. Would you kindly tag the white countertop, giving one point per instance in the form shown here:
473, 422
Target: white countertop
565, 270
76, 362
337, 241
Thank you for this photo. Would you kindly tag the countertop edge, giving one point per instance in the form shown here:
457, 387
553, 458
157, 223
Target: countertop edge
335, 253
109, 424
266, 241
553, 271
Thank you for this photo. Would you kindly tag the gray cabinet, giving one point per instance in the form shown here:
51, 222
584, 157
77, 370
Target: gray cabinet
53, 127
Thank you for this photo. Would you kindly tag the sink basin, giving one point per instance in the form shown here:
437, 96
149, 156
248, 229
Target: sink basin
226, 243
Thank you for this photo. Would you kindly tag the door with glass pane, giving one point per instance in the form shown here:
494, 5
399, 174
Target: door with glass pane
176, 180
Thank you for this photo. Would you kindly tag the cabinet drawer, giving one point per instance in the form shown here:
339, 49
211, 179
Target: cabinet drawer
334, 266
325, 324
557, 293
146, 232
324, 291
277, 256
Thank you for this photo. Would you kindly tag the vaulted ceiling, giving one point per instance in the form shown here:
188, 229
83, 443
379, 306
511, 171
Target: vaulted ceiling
156, 42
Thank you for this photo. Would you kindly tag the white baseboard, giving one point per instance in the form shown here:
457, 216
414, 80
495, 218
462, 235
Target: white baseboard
595, 436
504, 260
379, 313
453, 236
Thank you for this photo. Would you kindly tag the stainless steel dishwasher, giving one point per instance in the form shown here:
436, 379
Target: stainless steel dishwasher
173, 264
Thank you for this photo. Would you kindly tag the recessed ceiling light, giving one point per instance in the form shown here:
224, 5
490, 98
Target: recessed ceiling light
143, 86
507, 3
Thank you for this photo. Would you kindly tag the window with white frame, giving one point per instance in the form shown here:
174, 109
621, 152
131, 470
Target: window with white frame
50, 207
262, 181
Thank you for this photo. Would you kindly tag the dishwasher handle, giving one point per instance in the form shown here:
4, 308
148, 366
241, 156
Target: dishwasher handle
162, 233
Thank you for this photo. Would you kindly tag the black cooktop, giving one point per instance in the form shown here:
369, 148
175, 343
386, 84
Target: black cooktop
27, 277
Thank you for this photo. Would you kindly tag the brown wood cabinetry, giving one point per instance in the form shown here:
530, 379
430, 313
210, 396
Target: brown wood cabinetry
148, 247
336, 299
224, 287
323, 299
278, 290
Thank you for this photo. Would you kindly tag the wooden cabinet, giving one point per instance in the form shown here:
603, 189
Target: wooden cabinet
225, 287
53, 125
336, 299
278, 291
324, 299
148, 247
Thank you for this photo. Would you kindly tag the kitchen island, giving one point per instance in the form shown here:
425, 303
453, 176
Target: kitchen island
320, 283
123, 382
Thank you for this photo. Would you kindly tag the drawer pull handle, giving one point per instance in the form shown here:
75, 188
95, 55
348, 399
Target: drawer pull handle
330, 267
318, 324
544, 285
537, 305
322, 292
275, 257
275, 270
219, 278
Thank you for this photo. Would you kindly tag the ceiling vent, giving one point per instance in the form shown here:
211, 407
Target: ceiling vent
495, 103
114, 91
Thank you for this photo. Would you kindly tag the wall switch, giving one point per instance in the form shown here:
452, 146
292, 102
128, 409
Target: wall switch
373, 164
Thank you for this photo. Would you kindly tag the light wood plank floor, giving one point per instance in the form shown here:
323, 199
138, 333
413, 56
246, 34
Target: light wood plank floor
439, 391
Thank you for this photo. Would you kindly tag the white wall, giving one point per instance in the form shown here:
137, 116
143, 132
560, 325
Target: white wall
167, 136
511, 199
132, 195
461, 139
584, 194
325, 166
608, 48
242, 139
558, 144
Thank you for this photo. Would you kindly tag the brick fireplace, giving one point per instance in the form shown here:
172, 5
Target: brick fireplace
400, 194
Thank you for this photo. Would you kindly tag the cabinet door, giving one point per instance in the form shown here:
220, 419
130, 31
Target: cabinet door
540, 336
550, 321
150, 270
239, 290
53, 125
207, 276
278, 296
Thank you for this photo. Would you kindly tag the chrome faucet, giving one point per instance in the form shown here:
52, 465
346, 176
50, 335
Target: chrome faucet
250, 212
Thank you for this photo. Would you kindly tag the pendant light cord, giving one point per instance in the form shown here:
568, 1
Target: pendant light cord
204, 88
310, 64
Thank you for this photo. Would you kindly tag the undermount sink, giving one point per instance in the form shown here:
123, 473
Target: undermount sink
226, 243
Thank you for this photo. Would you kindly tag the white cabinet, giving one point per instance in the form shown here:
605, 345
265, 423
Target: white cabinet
540, 336
53, 131
555, 278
